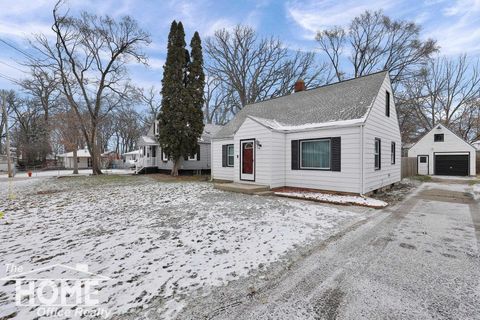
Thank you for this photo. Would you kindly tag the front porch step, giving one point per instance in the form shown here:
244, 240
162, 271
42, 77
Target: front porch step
241, 187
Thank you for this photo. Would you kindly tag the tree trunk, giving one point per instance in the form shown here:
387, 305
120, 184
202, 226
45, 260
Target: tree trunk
176, 165
75, 161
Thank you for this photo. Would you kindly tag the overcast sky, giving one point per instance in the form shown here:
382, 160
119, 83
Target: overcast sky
455, 24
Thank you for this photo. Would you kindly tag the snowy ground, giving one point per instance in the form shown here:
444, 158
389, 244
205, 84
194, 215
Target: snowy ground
158, 242
64, 173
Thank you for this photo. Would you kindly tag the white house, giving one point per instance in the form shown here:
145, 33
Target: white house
129, 158
341, 137
151, 158
84, 159
442, 152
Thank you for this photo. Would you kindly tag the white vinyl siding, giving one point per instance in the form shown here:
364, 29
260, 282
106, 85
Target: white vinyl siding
346, 180
386, 128
219, 172
452, 144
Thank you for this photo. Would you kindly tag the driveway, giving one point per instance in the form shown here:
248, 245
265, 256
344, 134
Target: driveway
417, 260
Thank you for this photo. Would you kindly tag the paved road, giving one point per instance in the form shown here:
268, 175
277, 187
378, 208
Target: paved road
417, 260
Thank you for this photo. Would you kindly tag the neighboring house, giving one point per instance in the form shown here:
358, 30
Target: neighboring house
476, 145
340, 137
442, 152
83, 158
129, 158
152, 159
4, 162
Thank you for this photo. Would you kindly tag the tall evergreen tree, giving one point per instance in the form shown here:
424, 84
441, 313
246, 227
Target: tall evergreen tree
195, 88
180, 121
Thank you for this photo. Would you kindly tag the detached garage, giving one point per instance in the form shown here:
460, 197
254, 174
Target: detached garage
442, 152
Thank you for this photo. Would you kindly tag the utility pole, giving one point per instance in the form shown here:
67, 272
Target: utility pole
5, 115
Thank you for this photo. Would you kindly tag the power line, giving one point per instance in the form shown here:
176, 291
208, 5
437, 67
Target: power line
9, 78
2, 62
15, 48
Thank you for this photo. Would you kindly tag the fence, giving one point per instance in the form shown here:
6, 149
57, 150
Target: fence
409, 167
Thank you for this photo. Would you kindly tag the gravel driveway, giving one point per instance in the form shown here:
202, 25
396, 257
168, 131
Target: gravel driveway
159, 243
417, 260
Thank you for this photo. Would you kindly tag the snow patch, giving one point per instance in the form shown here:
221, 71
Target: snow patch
338, 199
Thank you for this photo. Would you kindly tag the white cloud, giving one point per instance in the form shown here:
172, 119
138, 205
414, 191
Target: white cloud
312, 16
458, 32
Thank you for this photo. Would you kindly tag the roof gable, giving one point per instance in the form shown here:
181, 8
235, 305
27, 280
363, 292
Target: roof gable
428, 137
345, 100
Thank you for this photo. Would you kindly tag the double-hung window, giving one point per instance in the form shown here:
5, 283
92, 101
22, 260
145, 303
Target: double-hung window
230, 155
315, 154
378, 160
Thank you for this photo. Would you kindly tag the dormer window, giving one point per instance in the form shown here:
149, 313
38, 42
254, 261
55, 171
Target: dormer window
439, 137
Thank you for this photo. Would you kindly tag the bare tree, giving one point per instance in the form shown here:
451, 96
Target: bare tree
67, 128
152, 99
447, 90
374, 43
89, 58
254, 68
10, 97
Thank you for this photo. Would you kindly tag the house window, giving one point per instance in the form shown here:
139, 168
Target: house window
164, 157
230, 155
393, 151
192, 158
89, 162
315, 154
154, 151
439, 137
378, 159
423, 159
387, 103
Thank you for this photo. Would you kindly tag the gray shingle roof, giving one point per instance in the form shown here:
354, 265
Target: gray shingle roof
345, 100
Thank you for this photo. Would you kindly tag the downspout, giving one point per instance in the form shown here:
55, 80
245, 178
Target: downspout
361, 160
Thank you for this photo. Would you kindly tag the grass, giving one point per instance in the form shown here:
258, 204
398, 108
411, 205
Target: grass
422, 178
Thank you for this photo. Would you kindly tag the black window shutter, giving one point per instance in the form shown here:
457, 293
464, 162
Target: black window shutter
336, 147
198, 152
185, 158
224, 155
295, 155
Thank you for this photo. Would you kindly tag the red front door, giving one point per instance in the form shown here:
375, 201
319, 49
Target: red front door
247, 160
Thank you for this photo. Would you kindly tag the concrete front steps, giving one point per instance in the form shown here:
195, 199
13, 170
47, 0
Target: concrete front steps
244, 188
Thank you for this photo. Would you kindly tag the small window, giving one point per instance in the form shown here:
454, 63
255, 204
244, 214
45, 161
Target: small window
192, 158
378, 160
164, 157
423, 159
230, 155
393, 151
439, 137
315, 154
154, 151
248, 145
387, 104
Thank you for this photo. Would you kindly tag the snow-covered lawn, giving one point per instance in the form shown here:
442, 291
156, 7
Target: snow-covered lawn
158, 242
336, 199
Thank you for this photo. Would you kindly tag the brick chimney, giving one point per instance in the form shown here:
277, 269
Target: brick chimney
299, 85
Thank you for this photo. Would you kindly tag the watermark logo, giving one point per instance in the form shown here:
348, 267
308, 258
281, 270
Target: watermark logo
58, 290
